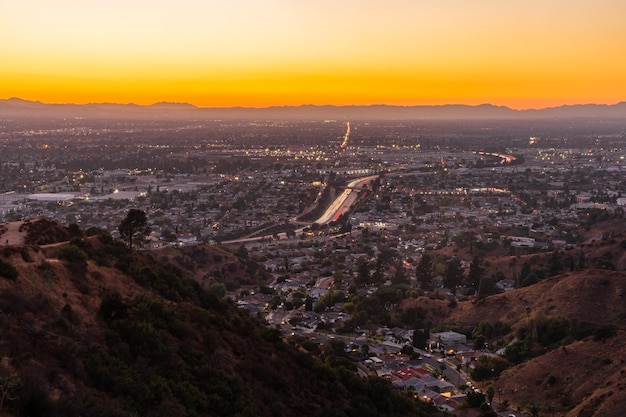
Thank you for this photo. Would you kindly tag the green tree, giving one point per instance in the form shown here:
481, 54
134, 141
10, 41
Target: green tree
363, 270
8, 271
474, 399
475, 273
242, 252
308, 303
487, 286
73, 255
454, 273
338, 278
556, 264
399, 276
581, 261
525, 271
529, 279
218, 289
491, 392
485, 328
134, 228
365, 349
423, 271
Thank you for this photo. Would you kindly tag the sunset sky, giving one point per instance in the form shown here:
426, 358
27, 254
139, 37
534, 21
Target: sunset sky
258, 53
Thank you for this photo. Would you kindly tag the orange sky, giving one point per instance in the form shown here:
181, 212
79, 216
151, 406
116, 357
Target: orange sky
260, 53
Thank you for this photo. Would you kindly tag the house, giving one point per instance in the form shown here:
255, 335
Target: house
405, 373
441, 386
374, 362
186, 239
449, 339
505, 284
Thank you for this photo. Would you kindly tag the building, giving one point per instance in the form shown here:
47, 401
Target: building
51, 197
449, 340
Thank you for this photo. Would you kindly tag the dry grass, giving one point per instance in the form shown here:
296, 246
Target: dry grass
584, 378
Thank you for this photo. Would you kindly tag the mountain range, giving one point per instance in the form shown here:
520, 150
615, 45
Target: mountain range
19, 108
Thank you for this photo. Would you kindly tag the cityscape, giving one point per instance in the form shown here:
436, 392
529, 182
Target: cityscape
340, 216
279, 208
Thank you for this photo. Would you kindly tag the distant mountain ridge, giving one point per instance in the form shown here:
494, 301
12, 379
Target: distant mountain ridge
19, 108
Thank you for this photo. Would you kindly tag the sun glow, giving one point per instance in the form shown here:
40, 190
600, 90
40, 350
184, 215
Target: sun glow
279, 52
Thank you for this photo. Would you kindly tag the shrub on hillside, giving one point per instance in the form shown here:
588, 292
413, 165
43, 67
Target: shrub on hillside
73, 255
8, 271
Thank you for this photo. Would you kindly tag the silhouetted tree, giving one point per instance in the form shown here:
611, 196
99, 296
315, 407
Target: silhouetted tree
475, 273
491, 392
134, 228
399, 276
487, 286
423, 271
454, 273
556, 265
363, 270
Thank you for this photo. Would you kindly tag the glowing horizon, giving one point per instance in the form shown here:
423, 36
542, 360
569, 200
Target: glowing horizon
279, 52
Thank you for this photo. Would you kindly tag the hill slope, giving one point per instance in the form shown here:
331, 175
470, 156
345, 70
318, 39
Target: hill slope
90, 328
585, 377
591, 295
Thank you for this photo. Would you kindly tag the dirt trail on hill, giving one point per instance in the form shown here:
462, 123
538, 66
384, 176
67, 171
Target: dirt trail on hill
11, 234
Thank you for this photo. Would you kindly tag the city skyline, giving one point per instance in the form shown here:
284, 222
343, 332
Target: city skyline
276, 52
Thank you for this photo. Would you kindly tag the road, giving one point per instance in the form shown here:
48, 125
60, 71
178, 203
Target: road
337, 208
344, 201
447, 369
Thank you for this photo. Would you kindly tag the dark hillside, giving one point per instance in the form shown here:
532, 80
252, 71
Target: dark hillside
209, 264
89, 328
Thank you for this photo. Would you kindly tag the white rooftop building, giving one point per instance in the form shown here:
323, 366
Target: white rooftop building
449, 339
51, 197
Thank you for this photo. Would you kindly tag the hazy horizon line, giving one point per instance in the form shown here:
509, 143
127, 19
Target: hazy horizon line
186, 103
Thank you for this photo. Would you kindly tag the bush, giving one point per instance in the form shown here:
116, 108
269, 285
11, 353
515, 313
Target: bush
8, 271
73, 255
46, 271
112, 307
604, 332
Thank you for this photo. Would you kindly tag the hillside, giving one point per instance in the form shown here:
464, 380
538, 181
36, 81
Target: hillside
602, 245
582, 378
591, 295
585, 377
210, 264
92, 329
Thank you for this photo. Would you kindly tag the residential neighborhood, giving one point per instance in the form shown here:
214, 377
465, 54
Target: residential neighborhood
347, 230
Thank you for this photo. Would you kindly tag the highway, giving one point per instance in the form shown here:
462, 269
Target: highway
338, 207
344, 201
